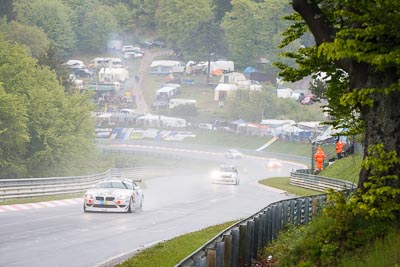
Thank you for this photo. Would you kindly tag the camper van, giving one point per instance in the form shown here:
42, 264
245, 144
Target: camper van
165, 93
174, 102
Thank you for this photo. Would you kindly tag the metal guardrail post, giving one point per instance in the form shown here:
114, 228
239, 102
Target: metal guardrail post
299, 210
285, 212
227, 249
235, 247
249, 243
274, 221
220, 251
269, 226
306, 210
242, 243
211, 257
201, 262
263, 232
292, 211
279, 217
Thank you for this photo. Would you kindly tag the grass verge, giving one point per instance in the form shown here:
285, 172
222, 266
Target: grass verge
171, 252
283, 184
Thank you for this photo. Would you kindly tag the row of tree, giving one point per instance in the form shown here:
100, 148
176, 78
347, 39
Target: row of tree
241, 30
43, 129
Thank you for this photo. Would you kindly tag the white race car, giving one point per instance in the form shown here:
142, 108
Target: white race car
114, 195
226, 174
233, 154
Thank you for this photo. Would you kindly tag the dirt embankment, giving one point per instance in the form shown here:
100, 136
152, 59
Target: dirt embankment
148, 57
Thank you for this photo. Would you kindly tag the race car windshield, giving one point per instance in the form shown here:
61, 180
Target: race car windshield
111, 185
225, 168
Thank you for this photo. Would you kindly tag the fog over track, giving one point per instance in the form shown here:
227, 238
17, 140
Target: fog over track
182, 202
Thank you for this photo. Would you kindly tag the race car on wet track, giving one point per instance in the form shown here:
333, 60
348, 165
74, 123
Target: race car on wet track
114, 195
226, 174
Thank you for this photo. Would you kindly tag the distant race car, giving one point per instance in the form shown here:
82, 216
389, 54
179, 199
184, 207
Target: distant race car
226, 174
274, 163
114, 195
233, 154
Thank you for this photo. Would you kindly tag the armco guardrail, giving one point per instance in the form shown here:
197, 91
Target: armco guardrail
32, 187
239, 244
318, 183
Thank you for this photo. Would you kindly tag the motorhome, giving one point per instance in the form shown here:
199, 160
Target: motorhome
166, 92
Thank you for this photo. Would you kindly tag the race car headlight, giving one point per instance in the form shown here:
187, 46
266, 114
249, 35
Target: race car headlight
214, 174
123, 197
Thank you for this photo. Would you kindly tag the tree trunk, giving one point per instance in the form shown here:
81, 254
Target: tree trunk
382, 120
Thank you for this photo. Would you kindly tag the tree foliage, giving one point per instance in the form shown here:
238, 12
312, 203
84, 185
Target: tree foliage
176, 18
97, 28
30, 36
203, 42
53, 17
358, 46
258, 105
45, 131
251, 29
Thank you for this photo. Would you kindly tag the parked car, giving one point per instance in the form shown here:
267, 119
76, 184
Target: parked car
114, 195
159, 43
83, 73
135, 49
126, 48
75, 64
146, 44
233, 154
132, 54
226, 174
128, 111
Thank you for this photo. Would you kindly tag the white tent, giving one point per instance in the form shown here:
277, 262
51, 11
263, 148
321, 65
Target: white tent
222, 90
232, 78
224, 65
113, 74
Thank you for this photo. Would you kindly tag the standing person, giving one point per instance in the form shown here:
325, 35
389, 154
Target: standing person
339, 148
319, 159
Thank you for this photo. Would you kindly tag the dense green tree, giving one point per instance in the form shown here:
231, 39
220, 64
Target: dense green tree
28, 35
251, 29
6, 9
123, 17
144, 12
175, 19
357, 44
204, 42
318, 87
13, 133
51, 59
97, 28
220, 8
54, 18
52, 130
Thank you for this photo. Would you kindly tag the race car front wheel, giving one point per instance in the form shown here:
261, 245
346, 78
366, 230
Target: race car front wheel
130, 206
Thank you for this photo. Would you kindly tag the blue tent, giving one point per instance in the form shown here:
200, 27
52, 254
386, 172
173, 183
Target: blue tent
249, 69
